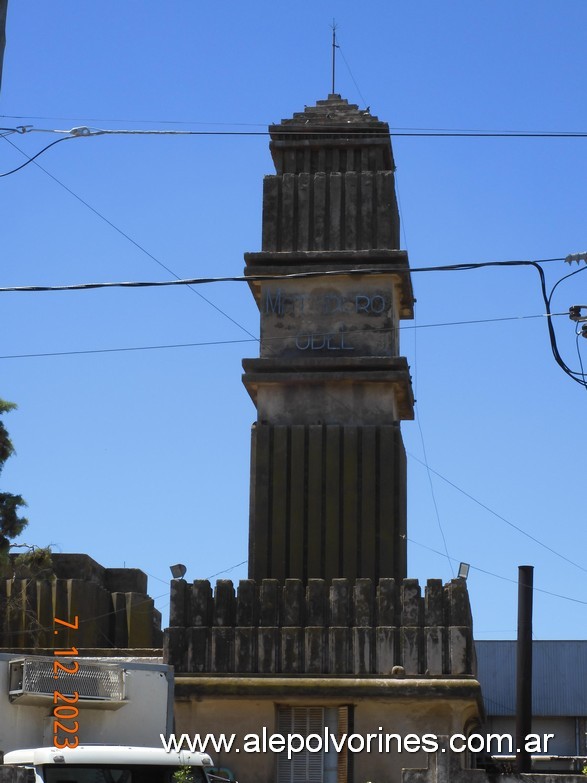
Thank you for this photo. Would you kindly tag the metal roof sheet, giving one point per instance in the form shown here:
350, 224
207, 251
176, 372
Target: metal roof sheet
559, 678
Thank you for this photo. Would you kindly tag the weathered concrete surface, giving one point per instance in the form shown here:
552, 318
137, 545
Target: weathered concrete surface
339, 627
243, 705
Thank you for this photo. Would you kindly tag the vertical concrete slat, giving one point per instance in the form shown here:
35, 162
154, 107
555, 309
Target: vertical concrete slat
384, 206
222, 649
434, 643
411, 652
319, 227
340, 603
198, 649
386, 495
293, 604
386, 653
350, 209
139, 613
316, 649
279, 510
316, 602
269, 603
410, 602
367, 210
297, 500
335, 188
400, 505
44, 614
433, 603
174, 647
260, 511
178, 603
202, 603
292, 651
61, 611
459, 645
369, 564
267, 650
245, 649
362, 650
386, 602
246, 603
351, 538
314, 500
270, 212
118, 625
339, 650
332, 502
303, 222
287, 216
224, 604
363, 603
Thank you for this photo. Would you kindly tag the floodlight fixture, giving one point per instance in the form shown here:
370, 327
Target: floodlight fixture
463, 570
178, 570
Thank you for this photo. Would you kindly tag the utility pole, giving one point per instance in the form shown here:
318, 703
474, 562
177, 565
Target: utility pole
3, 9
524, 667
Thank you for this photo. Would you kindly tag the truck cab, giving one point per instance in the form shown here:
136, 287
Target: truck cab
113, 764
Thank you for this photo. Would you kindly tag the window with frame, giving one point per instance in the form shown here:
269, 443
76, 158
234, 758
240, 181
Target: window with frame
314, 766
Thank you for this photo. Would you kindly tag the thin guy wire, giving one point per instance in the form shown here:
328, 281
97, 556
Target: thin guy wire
254, 339
503, 519
131, 240
498, 576
351, 75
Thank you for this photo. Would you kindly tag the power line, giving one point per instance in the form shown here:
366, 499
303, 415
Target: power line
498, 576
254, 339
261, 124
503, 519
263, 278
284, 131
31, 160
130, 239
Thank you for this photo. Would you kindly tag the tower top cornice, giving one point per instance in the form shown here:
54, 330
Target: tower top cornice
333, 135
331, 114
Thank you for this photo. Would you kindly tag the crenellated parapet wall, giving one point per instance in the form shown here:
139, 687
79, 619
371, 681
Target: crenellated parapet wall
111, 605
343, 627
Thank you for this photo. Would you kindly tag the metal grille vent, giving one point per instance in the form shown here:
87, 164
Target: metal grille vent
92, 681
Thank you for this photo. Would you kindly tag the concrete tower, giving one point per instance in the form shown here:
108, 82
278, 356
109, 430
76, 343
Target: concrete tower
326, 634
328, 484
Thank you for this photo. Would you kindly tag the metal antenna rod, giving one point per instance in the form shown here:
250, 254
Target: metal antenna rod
334, 48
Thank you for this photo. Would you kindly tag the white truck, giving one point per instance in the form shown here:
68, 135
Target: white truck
113, 764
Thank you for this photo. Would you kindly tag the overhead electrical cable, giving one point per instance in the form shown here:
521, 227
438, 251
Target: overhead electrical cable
87, 132
354, 271
255, 340
498, 576
502, 518
131, 240
31, 160
264, 124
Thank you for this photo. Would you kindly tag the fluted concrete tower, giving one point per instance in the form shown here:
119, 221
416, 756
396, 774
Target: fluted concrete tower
328, 477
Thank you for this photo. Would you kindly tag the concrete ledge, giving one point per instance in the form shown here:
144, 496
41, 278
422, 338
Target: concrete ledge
467, 689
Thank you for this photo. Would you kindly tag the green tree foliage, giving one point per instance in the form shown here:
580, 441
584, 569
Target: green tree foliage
11, 523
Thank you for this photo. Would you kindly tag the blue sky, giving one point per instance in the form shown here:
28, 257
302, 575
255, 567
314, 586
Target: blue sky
142, 457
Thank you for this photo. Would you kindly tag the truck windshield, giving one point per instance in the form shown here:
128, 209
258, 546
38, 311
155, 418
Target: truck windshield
86, 773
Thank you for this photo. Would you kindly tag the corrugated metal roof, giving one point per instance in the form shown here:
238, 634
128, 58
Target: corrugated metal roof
559, 679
